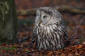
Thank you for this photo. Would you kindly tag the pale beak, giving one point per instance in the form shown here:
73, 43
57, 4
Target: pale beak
40, 21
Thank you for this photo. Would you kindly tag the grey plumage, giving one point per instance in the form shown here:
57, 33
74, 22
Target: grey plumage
49, 31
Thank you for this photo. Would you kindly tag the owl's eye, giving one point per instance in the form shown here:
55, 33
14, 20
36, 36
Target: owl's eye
45, 16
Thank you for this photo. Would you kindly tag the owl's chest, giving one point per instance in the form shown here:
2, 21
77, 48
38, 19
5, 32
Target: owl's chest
43, 29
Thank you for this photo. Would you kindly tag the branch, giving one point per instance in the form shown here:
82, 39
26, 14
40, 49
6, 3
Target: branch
26, 12
72, 10
62, 9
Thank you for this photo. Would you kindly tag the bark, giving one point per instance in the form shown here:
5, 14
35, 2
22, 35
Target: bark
8, 21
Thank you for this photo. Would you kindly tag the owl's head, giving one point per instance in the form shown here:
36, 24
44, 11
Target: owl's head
47, 16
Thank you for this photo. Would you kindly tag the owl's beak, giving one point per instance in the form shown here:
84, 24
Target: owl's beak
40, 22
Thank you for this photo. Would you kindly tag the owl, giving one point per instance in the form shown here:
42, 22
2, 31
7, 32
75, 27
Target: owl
49, 31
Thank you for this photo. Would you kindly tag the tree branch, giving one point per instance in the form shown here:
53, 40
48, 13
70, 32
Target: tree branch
62, 9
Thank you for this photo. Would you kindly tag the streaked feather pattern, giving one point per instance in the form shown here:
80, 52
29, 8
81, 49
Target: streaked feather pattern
49, 34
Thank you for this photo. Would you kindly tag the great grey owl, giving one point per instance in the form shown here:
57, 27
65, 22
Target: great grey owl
49, 31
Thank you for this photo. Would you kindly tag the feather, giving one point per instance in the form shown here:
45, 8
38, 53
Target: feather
50, 34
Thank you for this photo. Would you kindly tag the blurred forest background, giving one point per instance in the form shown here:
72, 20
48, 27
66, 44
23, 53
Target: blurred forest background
75, 21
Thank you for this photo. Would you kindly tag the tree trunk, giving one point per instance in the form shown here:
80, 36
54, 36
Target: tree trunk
8, 21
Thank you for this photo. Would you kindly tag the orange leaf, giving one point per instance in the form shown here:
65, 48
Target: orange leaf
70, 54
49, 54
63, 54
79, 46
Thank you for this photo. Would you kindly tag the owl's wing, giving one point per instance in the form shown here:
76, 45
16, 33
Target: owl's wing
34, 35
65, 38
65, 34
63, 26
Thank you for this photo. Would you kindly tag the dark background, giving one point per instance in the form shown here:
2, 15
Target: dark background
75, 22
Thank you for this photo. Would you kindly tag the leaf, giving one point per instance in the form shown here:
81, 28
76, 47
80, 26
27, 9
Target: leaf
49, 54
62, 54
79, 46
70, 54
